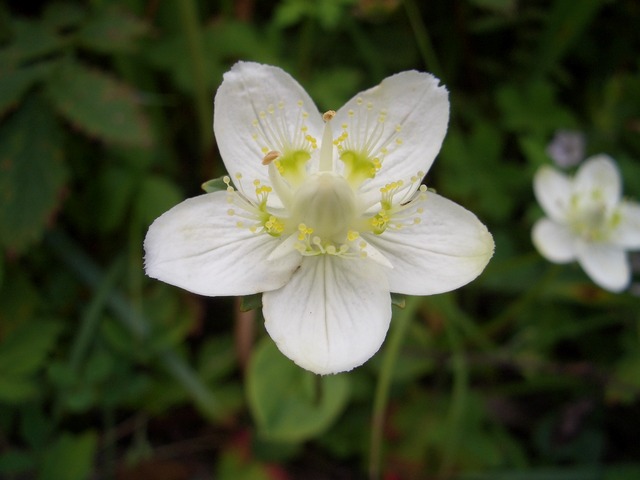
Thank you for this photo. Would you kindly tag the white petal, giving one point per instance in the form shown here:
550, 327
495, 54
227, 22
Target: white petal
447, 249
599, 174
627, 233
607, 265
554, 241
332, 316
412, 100
553, 192
248, 89
197, 246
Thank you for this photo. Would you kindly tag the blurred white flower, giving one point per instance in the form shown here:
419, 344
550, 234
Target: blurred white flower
588, 221
327, 214
567, 148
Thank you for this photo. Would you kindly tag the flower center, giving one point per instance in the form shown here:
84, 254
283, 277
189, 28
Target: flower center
590, 218
325, 203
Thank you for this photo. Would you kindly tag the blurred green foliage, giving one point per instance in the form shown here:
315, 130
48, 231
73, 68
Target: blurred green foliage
530, 372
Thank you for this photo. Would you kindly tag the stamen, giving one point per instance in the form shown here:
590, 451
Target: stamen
270, 157
326, 149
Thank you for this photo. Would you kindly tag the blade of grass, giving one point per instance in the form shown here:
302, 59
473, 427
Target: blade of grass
89, 273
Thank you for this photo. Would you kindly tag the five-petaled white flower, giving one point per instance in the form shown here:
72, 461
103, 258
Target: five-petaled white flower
325, 214
588, 221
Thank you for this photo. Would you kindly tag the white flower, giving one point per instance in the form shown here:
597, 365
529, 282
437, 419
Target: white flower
588, 221
326, 215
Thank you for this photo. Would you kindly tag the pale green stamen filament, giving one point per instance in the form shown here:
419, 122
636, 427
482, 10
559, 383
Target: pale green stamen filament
397, 214
365, 141
253, 215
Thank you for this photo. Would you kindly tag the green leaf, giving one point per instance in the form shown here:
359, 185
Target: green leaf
15, 83
622, 472
16, 389
398, 300
70, 457
31, 39
99, 105
567, 21
112, 30
214, 185
15, 461
116, 188
33, 174
288, 403
250, 302
25, 350
156, 196
62, 15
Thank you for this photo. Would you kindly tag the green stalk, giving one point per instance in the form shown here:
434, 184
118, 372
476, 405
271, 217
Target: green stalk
423, 40
91, 319
400, 326
187, 13
459, 394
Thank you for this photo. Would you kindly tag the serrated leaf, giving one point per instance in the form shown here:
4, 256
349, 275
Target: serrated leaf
15, 82
33, 173
288, 403
111, 30
70, 457
99, 105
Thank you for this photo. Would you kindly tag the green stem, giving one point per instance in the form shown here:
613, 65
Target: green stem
187, 13
400, 326
91, 319
423, 40
459, 398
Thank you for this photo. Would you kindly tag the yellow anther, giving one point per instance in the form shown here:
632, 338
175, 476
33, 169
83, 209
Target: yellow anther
351, 235
270, 157
265, 150
328, 115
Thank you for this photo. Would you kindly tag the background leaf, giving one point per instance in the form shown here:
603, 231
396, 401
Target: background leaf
33, 174
289, 403
99, 105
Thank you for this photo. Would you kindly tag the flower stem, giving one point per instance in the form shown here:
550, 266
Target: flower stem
400, 326
459, 398
423, 40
